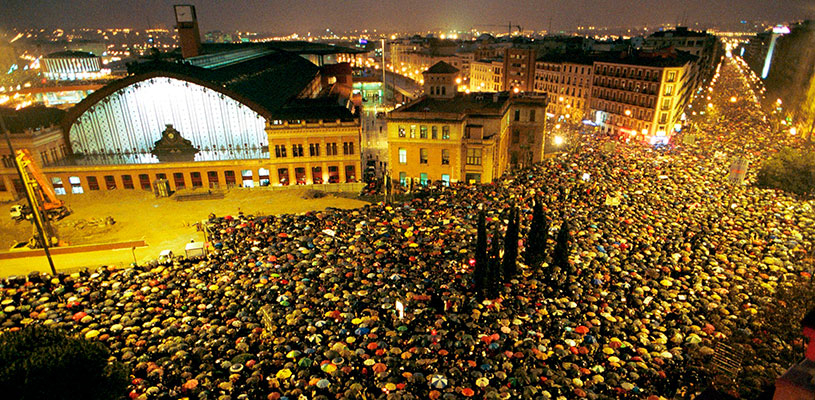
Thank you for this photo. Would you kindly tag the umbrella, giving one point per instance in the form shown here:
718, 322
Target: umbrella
362, 331
438, 381
581, 330
284, 373
467, 392
328, 368
482, 382
435, 394
379, 368
323, 383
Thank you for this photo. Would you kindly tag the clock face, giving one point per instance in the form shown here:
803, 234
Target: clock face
170, 135
183, 13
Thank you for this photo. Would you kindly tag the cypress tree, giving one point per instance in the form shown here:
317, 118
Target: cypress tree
537, 237
560, 256
481, 259
511, 246
494, 272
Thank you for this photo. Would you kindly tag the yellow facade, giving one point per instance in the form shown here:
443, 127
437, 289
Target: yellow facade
474, 146
319, 152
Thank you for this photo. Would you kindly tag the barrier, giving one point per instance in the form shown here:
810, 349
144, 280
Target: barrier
72, 249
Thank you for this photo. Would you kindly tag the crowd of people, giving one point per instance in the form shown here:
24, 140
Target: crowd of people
668, 259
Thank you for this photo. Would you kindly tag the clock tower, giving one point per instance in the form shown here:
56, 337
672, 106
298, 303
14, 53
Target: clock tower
187, 25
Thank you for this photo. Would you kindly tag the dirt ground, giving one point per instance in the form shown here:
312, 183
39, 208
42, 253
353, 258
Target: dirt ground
163, 223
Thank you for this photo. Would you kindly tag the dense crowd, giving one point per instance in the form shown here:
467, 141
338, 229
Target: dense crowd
668, 259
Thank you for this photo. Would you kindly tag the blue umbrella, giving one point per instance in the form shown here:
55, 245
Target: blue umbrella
486, 367
362, 331
493, 346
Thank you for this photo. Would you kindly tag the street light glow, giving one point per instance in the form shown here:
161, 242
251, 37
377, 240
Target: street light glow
558, 140
733, 99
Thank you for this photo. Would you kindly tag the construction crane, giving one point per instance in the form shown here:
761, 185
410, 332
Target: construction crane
44, 204
43, 193
508, 25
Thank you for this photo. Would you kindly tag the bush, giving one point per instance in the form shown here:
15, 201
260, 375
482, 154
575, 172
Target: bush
790, 170
313, 194
42, 363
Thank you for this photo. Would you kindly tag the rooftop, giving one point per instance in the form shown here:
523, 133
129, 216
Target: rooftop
662, 58
34, 117
71, 54
441, 67
323, 108
679, 32
472, 103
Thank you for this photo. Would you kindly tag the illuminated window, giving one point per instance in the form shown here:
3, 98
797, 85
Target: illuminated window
423, 132
58, 187
445, 132
669, 90
413, 131
422, 156
445, 157
401, 131
434, 132
402, 156
671, 76
473, 156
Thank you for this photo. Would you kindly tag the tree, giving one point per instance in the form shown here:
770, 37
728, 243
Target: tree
481, 259
494, 273
560, 255
511, 246
790, 170
38, 362
538, 234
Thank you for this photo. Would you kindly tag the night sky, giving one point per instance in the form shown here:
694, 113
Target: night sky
286, 16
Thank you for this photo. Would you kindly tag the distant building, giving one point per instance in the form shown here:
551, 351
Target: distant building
73, 65
465, 137
519, 69
641, 96
566, 79
37, 129
486, 75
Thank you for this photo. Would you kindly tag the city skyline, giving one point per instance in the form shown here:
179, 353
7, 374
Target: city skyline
286, 16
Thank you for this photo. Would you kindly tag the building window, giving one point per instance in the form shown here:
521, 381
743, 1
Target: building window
317, 175
229, 178
300, 176
178, 178
350, 174
195, 179
280, 151
144, 181
671, 76
297, 150
314, 149
517, 115
93, 184
445, 157
413, 131
531, 115
263, 177
44, 157
434, 132
516, 136
663, 118
110, 182
422, 156
423, 132
76, 185
446, 179
473, 156
423, 179
3, 186
127, 182
283, 176
403, 178
247, 178
333, 174
445, 132
666, 104
669, 90
58, 188
401, 131
402, 156
348, 148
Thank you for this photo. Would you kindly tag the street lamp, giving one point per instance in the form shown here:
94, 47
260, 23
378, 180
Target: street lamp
558, 140
627, 113
733, 99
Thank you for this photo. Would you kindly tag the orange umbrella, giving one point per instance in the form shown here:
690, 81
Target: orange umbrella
372, 346
467, 392
379, 368
435, 394
581, 330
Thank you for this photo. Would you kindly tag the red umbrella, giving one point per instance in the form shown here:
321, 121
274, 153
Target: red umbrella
372, 346
581, 330
467, 392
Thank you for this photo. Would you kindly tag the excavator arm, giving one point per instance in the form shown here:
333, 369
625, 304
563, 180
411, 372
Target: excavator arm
32, 174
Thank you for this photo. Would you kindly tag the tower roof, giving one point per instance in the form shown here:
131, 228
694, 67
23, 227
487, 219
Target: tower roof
441, 67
